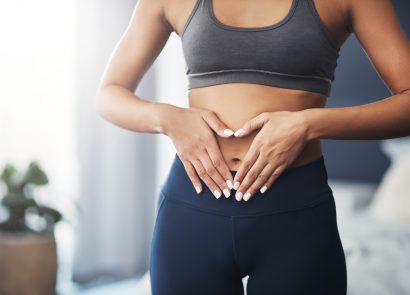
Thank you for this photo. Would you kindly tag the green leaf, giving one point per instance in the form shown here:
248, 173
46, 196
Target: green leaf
35, 175
54, 214
17, 200
7, 174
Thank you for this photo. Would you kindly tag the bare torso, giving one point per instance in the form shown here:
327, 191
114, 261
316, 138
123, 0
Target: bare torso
235, 103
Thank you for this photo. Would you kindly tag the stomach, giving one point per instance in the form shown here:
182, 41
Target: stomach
235, 103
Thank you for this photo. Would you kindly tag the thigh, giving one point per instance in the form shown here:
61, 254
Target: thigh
191, 252
295, 252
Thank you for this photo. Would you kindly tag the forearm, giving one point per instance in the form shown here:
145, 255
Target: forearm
383, 119
123, 108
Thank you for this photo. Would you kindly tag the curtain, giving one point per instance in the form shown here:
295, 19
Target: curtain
117, 168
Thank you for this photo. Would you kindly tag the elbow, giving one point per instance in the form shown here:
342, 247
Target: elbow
97, 105
407, 93
98, 102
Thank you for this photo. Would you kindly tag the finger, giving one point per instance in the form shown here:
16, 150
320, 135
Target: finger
214, 174
276, 173
250, 158
202, 173
261, 180
250, 178
192, 176
220, 164
252, 124
216, 124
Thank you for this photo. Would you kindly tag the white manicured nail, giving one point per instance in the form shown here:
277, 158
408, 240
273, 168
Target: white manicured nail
238, 196
239, 131
229, 183
227, 193
228, 132
247, 196
198, 190
263, 189
217, 194
236, 185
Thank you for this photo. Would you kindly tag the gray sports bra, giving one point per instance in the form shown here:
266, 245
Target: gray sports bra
296, 52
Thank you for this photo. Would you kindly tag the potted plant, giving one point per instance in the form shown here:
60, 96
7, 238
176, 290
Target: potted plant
28, 254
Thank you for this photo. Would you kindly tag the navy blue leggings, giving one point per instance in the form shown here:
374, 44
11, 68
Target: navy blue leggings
286, 240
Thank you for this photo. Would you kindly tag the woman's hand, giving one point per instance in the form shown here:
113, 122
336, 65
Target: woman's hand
281, 139
191, 131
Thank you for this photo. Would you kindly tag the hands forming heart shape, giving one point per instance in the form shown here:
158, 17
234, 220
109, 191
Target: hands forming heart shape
280, 140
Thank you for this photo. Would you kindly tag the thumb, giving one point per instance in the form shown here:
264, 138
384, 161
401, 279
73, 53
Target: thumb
252, 124
217, 125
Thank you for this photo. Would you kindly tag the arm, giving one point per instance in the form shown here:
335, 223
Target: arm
140, 44
386, 44
115, 101
283, 135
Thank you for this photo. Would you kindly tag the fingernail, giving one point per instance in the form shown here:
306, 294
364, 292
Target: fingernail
217, 194
239, 131
228, 132
247, 196
198, 190
238, 196
227, 193
229, 183
263, 189
236, 185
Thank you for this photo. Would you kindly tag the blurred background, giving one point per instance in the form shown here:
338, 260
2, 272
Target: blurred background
99, 184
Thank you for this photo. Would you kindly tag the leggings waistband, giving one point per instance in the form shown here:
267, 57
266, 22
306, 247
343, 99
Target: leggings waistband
296, 188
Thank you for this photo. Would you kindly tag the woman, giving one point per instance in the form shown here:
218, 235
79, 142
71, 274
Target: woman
259, 74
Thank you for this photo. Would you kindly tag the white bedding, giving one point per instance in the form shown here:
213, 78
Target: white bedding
377, 253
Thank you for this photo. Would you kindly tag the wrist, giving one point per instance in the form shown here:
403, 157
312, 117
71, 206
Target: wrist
163, 113
313, 118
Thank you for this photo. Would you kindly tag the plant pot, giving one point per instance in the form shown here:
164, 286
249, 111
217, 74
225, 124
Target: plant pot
28, 264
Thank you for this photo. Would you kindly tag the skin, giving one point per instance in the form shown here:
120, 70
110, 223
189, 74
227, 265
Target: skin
281, 127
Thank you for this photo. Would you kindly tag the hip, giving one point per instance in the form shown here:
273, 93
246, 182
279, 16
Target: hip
296, 188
